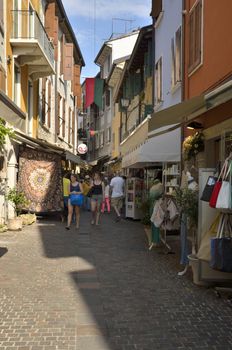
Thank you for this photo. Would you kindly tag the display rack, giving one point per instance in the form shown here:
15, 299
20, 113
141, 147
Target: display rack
134, 198
171, 177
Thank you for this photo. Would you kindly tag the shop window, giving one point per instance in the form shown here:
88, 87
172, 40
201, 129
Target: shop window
195, 36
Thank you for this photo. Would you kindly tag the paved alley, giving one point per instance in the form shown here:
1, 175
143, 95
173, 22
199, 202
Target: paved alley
101, 289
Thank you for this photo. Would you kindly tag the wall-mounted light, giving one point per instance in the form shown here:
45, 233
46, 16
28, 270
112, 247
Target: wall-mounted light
194, 126
125, 102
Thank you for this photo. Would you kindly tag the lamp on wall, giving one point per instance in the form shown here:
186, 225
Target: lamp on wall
194, 126
125, 102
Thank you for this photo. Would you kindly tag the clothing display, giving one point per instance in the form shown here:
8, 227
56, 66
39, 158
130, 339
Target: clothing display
155, 193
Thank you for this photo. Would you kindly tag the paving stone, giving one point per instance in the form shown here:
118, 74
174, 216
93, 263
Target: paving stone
102, 289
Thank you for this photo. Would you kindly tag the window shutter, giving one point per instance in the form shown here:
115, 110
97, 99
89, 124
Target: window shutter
52, 26
43, 100
49, 104
156, 8
178, 56
63, 118
77, 85
62, 53
107, 97
197, 57
1, 16
173, 63
59, 114
195, 27
68, 62
69, 124
73, 127
55, 38
2, 79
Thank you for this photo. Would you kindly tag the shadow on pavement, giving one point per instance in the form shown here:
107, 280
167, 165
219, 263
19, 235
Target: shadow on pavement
3, 251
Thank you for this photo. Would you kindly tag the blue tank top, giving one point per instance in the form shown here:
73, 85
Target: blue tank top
75, 188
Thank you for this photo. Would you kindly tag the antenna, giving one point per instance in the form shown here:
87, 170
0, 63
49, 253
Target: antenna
126, 22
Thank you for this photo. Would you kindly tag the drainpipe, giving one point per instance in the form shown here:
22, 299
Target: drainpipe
153, 61
183, 73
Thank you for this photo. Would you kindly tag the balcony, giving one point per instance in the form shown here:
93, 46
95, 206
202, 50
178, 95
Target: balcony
31, 44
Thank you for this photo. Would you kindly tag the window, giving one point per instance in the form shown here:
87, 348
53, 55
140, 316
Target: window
108, 135
61, 117
1, 17
107, 98
73, 128
46, 102
113, 141
17, 85
97, 141
108, 63
102, 139
69, 124
176, 57
158, 81
195, 38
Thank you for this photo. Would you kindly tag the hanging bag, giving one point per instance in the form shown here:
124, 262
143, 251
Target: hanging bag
221, 248
217, 186
224, 196
76, 199
208, 190
204, 249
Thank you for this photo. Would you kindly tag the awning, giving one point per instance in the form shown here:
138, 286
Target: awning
72, 157
190, 109
165, 147
176, 113
11, 113
95, 162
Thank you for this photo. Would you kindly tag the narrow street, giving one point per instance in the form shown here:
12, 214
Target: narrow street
101, 289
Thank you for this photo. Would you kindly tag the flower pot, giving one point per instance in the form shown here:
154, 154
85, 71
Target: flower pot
15, 224
194, 263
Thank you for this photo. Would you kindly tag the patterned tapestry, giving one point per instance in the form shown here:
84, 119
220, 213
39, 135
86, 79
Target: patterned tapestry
40, 179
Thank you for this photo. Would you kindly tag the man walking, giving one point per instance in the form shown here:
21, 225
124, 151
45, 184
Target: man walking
117, 186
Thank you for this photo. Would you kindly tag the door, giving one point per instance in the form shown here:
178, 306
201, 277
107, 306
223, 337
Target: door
30, 109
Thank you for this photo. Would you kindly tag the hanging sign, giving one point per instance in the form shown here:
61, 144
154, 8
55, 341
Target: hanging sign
82, 148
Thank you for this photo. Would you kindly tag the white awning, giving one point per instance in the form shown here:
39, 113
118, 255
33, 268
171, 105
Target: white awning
165, 147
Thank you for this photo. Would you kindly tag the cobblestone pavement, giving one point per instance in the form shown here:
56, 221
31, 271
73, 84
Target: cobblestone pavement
101, 289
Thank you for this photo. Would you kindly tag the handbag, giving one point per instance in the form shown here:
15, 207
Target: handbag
204, 249
76, 199
221, 249
217, 186
224, 196
208, 190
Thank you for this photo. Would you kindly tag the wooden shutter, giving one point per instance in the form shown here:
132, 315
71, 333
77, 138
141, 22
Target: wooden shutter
1, 16
76, 80
68, 61
69, 124
73, 127
173, 62
59, 114
63, 118
52, 26
178, 56
195, 19
62, 53
49, 103
43, 100
2, 79
197, 57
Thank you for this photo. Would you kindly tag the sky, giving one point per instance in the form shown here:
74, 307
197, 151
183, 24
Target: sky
94, 21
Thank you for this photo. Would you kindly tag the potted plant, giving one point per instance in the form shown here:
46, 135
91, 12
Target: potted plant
193, 145
18, 200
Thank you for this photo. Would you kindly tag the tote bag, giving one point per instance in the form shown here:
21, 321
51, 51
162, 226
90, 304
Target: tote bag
204, 249
208, 190
224, 195
76, 199
221, 249
217, 186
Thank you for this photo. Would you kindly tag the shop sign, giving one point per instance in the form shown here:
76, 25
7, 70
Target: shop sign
82, 148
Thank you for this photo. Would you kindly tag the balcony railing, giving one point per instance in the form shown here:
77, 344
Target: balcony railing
26, 25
